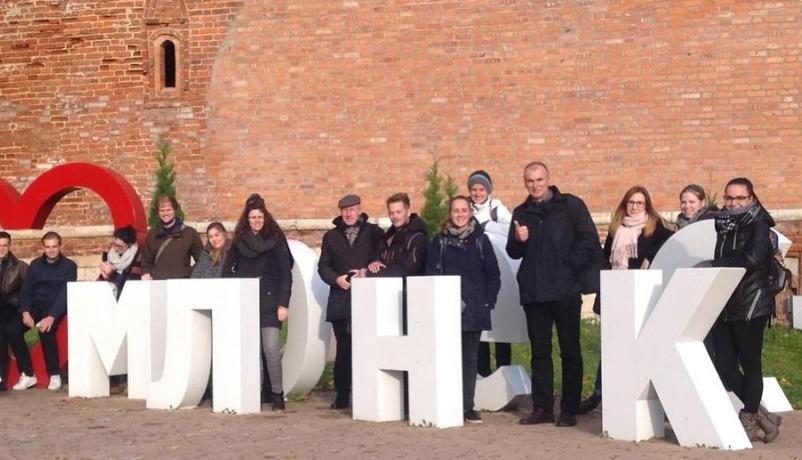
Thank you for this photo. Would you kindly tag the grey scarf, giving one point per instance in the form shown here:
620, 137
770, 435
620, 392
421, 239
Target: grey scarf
121, 261
352, 231
683, 221
461, 233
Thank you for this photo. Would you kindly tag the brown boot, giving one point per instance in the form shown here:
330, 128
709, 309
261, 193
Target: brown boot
769, 427
775, 419
751, 426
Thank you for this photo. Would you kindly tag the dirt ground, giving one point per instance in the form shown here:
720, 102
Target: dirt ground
42, 424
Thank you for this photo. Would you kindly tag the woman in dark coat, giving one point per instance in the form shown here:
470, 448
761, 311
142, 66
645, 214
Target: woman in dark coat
743, 240
463, 249
260, 250
636, 234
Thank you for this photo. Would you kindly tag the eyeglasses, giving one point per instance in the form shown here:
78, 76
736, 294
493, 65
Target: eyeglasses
636, 204
737, 198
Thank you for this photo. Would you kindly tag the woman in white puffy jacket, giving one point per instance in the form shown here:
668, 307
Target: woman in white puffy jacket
489, 211
495, 218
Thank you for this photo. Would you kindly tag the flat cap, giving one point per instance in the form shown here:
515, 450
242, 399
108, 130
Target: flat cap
349, 200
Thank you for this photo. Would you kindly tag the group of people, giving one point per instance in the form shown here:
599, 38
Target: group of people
551, 232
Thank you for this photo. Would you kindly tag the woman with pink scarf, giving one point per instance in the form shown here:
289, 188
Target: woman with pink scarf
636, 234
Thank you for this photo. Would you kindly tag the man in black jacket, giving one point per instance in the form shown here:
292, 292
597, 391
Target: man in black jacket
347, 250
43, 303
402, 251
12, 273
554, 235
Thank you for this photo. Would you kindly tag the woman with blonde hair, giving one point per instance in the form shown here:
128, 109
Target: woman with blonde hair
210, 263
693, 206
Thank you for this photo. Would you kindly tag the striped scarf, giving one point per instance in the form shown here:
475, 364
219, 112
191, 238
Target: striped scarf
730, 219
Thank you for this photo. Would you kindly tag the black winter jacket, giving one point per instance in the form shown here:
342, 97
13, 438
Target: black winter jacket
337, 258
403, 250
13, 274
45, 286
473, 260
563, 243
273, 267
748, 247
647, 249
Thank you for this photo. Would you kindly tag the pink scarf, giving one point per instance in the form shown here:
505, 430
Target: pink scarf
625, 242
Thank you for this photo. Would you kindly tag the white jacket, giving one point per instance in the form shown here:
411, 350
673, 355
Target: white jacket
493, 216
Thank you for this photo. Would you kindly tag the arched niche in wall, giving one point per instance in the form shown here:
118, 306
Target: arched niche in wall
167, 64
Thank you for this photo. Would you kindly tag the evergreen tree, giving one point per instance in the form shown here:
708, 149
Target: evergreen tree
437, 194
165, 182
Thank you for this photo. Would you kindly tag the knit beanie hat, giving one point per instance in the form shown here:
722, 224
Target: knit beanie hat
481, 177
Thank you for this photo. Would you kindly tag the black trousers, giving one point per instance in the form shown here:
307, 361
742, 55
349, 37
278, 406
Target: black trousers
741, 342
540, 317
503, 356
470, 346
342, 362
7, 315
15, 332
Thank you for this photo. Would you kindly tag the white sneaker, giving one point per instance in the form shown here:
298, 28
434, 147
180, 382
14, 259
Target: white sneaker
55, 382
25, 382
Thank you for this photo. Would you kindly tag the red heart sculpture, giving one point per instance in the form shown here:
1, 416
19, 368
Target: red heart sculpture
31, 209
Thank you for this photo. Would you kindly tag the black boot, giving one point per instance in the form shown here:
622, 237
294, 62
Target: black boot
341, 402
267, 395
278, 401
589, 404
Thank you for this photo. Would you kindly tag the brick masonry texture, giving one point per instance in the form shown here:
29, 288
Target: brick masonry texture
306, 100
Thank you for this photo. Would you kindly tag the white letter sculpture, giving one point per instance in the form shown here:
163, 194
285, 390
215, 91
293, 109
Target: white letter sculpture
104, 332
652, 348
307, 332
508, 384
430, 352
233, 304
171, 329
168, 322
697, 243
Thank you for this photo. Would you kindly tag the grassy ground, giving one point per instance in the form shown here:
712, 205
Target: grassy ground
782, 358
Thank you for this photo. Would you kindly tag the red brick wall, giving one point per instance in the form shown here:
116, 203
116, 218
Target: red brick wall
76, 85
305, 100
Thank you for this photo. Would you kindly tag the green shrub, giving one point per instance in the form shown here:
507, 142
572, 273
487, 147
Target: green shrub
438, 192
165, 183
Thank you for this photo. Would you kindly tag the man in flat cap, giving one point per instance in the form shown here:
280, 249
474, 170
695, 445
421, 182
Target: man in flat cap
346, 252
